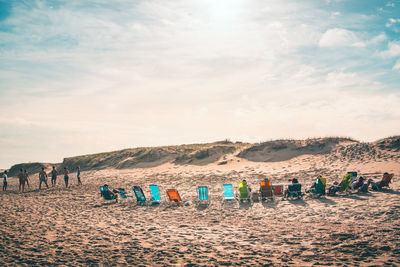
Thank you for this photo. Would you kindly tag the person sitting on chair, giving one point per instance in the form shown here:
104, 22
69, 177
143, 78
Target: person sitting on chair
108, 193
357, 184
364, 187
294, 181
333, 189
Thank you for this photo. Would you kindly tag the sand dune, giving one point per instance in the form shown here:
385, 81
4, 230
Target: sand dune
76, 226
333, 148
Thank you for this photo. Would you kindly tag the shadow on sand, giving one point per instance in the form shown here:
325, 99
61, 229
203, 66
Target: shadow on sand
270, 204
299, 202
326, 201
353, 196
202, 206
389, 191
105, 204
245, 205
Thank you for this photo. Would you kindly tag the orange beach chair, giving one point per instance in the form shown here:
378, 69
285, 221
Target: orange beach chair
174, 195
386, 180
266, 190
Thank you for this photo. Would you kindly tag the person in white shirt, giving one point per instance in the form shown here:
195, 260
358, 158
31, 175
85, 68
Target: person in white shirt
5, 181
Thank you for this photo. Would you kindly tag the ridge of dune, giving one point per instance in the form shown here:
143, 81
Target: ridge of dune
224, 152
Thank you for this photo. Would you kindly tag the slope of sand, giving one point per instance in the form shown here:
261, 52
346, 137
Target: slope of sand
76, 227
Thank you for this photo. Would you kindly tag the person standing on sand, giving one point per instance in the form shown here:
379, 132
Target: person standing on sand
54, 174
26, 178
78, 175
5, 181
42, 178
21, 177
66, 177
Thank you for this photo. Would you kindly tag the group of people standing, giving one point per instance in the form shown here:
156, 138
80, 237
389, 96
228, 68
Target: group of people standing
23, 178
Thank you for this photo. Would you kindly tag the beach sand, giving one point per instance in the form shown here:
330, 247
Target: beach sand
75, 226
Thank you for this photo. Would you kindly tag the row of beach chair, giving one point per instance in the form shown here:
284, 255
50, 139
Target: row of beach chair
267, 190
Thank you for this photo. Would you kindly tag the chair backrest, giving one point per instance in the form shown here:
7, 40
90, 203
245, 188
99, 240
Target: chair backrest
354, 174
344, 185
174, 195
203, 192
140, 197
155, 193
294, 188
266, 183
386, 179
323, 180
243, 190
106, 193
122, 192
266, 188
319, 187
228, 191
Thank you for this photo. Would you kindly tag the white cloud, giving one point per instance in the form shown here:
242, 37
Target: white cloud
391, 22
339, 38
393, 50
397, 65
379, 38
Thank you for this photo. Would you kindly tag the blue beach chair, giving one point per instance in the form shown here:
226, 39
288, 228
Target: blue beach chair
294, 191
123, 194
203, 193
141, 199
155, 194
228, 192
106, 194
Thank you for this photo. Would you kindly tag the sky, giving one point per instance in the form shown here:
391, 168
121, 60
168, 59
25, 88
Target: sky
80, 77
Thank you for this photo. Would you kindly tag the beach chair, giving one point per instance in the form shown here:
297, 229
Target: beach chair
294, 191
266, 190
243, 191
140, 197
155, 194
106, 194
386, 180
345, 183
353, 176
319, 188
228, 192
174, 196
203, 193
102, 190
123, 194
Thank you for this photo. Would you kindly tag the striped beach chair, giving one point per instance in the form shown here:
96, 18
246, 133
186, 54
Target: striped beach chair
203, 193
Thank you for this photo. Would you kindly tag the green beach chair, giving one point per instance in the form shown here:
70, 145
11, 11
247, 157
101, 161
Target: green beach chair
243, 189
345, 183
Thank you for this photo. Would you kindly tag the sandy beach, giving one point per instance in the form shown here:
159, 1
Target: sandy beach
75, 226
188, 94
